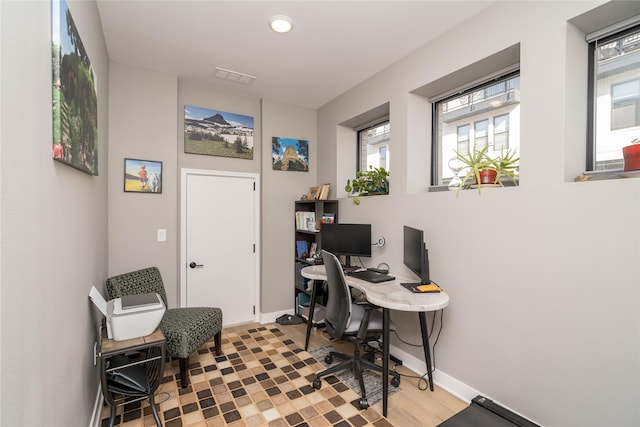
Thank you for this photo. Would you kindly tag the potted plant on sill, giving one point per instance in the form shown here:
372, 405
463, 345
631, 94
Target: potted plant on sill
631, 155
375, 181
483, 170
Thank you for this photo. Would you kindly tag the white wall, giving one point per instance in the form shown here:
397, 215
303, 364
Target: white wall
543, 278
53, 229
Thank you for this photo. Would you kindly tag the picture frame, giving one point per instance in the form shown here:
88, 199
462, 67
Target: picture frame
74, 95
289, 154
142, 176
218, 133
313, 193
324, 192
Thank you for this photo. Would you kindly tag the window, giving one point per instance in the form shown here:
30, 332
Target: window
491, 109
480, 136
624, 105
373, 147
463, 139
614, 92
501, 132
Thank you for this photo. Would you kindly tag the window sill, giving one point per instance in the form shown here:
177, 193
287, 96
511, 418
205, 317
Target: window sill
439, 188
606, 175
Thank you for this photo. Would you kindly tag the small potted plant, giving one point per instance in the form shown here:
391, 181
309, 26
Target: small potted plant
372, 182
482, 169
631, 155
506, 165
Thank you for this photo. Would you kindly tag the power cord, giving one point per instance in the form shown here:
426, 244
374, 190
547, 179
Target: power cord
421, 378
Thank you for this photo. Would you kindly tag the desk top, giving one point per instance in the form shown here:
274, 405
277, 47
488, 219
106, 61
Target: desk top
110, 347
389, 294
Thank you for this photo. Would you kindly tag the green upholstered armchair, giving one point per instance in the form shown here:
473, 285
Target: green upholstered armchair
185, 329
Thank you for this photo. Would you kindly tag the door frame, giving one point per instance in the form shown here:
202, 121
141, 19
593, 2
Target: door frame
184, 173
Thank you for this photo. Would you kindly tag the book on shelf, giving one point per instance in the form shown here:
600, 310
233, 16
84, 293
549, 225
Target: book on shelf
301, 248
328, 218
306, 221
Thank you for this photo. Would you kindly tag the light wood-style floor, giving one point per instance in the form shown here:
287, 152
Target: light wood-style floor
408, 407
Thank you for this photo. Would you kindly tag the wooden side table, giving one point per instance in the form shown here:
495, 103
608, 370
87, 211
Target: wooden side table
149, 352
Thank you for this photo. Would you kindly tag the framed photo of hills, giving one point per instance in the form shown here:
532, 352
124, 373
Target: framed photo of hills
217, 133
290, 154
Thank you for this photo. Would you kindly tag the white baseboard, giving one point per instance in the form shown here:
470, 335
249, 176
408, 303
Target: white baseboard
271, 317
443, 380
97, 409
446, 382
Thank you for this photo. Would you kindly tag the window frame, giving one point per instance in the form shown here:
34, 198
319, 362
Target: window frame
592, 86
359, 150
480, 84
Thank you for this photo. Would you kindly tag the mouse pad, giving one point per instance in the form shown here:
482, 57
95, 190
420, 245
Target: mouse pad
417, 288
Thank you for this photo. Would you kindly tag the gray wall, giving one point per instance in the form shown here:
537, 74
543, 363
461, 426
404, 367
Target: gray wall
546, 321
53, 229
142, 125
548, 316
147, 122
279, 191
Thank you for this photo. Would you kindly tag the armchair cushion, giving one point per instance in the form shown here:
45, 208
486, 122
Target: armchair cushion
186, 329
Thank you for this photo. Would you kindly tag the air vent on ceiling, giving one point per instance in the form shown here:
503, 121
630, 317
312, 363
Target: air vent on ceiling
234, 76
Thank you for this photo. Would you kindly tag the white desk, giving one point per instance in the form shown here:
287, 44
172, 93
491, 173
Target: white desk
389, 295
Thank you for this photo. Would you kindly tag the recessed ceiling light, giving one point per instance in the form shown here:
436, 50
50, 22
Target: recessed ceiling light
281, 23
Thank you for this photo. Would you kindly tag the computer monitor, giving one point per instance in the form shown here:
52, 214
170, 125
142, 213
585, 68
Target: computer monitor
416, 256
346, 240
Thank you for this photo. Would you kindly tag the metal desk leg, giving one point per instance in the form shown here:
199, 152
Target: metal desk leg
154, 410
112, 416
427, 348
312, 308
385, 359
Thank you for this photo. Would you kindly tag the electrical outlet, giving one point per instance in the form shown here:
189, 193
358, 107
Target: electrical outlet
162, 235
95, 353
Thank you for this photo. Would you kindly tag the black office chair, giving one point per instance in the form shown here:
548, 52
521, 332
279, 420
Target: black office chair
356, 321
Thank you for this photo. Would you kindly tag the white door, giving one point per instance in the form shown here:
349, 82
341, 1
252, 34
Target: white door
219, 243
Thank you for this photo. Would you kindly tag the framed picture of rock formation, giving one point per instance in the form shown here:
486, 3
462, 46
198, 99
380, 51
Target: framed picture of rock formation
217, 133
290, 154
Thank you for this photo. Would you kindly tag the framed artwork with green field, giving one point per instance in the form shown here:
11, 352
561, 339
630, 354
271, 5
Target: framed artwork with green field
217, 133
142, 176
74, 96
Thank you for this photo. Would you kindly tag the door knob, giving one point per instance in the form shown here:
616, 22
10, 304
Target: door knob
194, 265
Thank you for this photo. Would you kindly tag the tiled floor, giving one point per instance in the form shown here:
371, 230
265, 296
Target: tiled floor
262, 379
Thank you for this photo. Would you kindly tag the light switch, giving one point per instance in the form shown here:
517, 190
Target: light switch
162, 235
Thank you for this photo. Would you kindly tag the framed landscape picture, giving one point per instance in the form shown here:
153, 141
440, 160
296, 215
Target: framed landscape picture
142, 176
75, 100
290, 154
217, 133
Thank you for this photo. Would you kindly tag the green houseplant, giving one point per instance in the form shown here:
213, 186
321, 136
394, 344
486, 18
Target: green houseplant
374, 181
483, 169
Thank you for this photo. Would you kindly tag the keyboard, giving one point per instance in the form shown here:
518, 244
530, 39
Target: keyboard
371, 276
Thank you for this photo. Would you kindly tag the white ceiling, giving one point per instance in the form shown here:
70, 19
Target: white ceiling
333, 46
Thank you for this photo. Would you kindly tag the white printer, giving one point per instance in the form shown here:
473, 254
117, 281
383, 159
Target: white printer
129, 317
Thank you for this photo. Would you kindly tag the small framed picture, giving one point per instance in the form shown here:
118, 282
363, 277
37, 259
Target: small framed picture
313, 193
142, 176
324, 192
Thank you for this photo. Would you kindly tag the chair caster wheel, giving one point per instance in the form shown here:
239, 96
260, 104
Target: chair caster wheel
363, 403
395, 381
328, 359
316, 384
